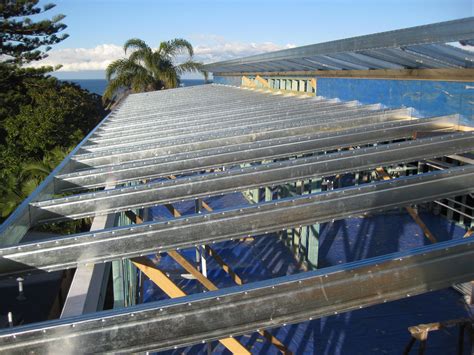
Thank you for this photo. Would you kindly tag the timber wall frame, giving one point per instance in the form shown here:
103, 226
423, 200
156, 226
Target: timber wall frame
459, 75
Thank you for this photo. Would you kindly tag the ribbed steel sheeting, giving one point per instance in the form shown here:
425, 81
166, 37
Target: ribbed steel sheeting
422, 47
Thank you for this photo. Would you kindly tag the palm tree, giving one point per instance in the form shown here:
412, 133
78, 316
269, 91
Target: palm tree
147, 69
13, 190
16, 188
40, 169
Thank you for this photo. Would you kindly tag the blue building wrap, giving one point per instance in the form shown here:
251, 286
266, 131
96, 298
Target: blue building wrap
428, 98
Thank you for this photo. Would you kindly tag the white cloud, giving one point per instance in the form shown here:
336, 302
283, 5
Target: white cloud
207, 49
78, 59
216, 49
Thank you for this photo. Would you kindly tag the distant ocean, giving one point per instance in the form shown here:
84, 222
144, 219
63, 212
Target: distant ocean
98, 85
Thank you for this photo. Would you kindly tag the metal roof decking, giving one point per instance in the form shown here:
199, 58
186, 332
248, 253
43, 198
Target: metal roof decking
284, 139
421, 47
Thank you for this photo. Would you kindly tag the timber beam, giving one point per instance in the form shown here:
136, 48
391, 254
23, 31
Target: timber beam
463, 75
209, 285
172, 290
411, 211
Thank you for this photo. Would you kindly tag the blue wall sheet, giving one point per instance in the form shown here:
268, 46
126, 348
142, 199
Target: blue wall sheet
428, 98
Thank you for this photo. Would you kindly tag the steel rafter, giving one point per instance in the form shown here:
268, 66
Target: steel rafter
331, 122
199, 156
242, 309
135, 240
126, 198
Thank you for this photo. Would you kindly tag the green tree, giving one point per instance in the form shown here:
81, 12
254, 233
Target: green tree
146, 69
13, 190
21, 39
40, 169
39, 113
40, 118
16, 187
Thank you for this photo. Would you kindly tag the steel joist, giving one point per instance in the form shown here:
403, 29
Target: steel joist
143, 239
118, 152
239, 310
244, 149
163, 192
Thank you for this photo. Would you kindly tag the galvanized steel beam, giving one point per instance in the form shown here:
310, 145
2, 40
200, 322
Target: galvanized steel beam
242, 309
254, 123
443, 32
126, 198
218, 153
332, 122
143, 239
156, 130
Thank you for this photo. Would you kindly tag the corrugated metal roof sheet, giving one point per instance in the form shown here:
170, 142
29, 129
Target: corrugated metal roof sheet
421, 47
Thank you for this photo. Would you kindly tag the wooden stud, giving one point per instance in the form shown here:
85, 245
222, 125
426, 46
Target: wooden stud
411, 211
422, 225
246, 82
181, 260
172, 290
262, 81
146, 266
210, 286
462, 75
133, 217
236, 278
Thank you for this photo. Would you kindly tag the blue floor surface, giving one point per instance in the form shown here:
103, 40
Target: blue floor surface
380, 329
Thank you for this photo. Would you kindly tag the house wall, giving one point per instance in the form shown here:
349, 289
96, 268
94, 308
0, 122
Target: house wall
429, 98
228, 80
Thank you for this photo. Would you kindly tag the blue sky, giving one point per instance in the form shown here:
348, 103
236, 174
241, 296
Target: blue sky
222, 29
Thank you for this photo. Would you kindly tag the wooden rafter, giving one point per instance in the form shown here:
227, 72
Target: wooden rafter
411, 211
181, 260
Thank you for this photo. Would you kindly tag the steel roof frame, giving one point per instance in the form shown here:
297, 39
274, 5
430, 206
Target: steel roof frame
269, 174
216, 154
238, 310
209, 145
415, 37
147, 238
